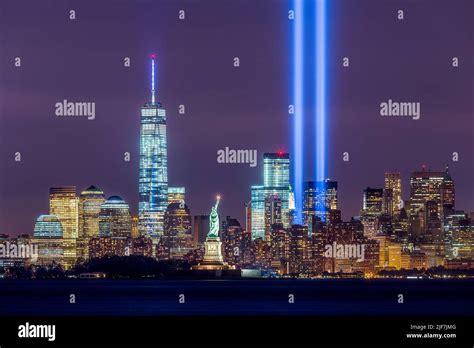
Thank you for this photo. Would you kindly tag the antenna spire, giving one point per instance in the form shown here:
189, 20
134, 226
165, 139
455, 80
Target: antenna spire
153, 79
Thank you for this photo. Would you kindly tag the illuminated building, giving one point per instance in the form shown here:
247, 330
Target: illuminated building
107, 246
319, 199
427, 185
372, 201
372, 209
299, 249
388, 202
90, 201
280, 249
258, 195
263, 254
435, 254
248, 216
48, 236
64, 204
417, 260
153, 176
135, 230
447, 191
232, 242
459, 264
272, 213
395, 256
177, 237
143, 246
176, 195
390, 253
459, 234
114, 218
48, 226
393, 182
276, 181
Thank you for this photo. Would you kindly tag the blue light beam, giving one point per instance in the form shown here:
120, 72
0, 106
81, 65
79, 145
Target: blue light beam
320, 80
298, 90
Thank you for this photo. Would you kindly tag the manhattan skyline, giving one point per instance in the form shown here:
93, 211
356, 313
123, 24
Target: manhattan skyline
223, 109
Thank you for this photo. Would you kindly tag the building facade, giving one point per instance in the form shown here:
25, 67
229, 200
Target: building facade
115, 219
153, 175
276, 181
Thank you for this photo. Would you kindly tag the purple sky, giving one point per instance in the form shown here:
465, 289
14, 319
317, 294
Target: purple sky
243, 108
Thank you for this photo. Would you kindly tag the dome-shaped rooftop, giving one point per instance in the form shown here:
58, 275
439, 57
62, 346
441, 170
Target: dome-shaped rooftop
47, 218
115, 199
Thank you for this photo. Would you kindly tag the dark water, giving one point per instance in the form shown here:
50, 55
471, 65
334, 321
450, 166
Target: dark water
237, 297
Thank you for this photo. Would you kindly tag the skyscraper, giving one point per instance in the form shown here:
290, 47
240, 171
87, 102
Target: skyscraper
48, 226
393, 182
319, 198
272, 213
64, 204
177, 238
372, 209
114, 218
276, 180
426, 185
153, 176
90, 201
176, 195
48, 236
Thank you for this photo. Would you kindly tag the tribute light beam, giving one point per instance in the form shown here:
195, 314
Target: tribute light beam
298, 89
320, 80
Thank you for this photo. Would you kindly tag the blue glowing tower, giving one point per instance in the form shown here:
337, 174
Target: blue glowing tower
153, 178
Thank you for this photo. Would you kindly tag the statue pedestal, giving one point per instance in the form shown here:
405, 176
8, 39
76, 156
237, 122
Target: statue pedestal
213, 259
213, 250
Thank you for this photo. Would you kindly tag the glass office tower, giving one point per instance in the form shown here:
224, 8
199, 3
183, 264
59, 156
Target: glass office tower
276, 182
153, 177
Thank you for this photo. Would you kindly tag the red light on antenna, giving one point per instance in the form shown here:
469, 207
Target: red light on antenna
153, 56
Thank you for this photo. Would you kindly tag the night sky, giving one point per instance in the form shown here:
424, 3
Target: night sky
242, 108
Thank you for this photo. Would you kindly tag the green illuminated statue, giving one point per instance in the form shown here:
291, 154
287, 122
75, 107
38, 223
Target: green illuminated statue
214, 221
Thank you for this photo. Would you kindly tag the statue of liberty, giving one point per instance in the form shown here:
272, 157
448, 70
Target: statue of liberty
214, 221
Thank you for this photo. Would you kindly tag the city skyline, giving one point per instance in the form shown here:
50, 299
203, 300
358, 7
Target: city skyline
91, 152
